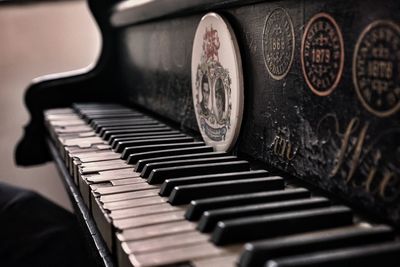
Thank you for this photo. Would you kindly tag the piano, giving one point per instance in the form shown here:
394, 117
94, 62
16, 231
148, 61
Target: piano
231, 133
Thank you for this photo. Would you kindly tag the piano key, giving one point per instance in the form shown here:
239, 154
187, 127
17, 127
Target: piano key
180, 254
169, 184
164, 242
257, 253
199, 147
75, 129
105, 130
56, 111
142, 163
198, 206
126, 181
105, 176
117, 122
146, 210
94, 154
142, 152
86, 183
102, 127
146, 220
103, 222
156, 230
106, 134
116, 141
111, 138
210, 218
64, 123
131, 129
111, 116
114, 119
382, 255
121, 137
98, 166
184, 162
258, 227
132, 203
130, 146
100, 157
158, 176
94, 113
96, 169
185, 193
123, 188
220, 261
129, 195
102, 163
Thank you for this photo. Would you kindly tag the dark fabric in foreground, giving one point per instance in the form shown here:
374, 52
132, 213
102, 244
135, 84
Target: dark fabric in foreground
36, 232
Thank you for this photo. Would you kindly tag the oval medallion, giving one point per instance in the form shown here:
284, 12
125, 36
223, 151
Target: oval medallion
376, 68
217, 82
278, 43
322, 54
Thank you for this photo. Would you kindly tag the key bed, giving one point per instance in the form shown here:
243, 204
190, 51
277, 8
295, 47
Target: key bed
161, 197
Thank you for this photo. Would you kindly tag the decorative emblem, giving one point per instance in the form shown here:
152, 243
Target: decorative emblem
217, 82
322, 54
278, 43
376, 68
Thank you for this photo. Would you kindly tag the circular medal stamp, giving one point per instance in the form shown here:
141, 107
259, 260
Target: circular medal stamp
217, 82
322, 54
376, 68
278, 43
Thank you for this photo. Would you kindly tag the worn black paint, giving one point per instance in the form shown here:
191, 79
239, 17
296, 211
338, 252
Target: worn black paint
154, 71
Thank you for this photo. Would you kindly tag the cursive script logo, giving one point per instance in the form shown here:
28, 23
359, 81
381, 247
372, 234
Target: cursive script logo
372, 165
283, 148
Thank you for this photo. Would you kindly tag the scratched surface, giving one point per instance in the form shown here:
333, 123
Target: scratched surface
331, 141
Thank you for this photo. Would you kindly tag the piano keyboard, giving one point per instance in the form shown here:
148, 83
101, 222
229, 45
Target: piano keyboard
160, 197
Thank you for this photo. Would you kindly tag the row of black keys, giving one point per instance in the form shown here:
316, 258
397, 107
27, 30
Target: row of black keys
235, 202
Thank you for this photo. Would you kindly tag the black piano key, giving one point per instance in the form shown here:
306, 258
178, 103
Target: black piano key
98, 126
154, 150
111, 138
148, 137
129, 146
259, 227
121, 121
142, 163
183, 162
185, 148
134, 130
105, 132
197, 207
158, 176
117, 115
169, 184
90, 113
257, 253
185, 193
383, 255
121, 125
210, 218
99, 116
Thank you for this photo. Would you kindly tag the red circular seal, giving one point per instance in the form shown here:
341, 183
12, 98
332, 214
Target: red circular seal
322, 54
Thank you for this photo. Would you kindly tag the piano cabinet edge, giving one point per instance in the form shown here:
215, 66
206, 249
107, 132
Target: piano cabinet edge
96, 245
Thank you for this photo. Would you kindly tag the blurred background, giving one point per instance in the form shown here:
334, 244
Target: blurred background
38, 38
